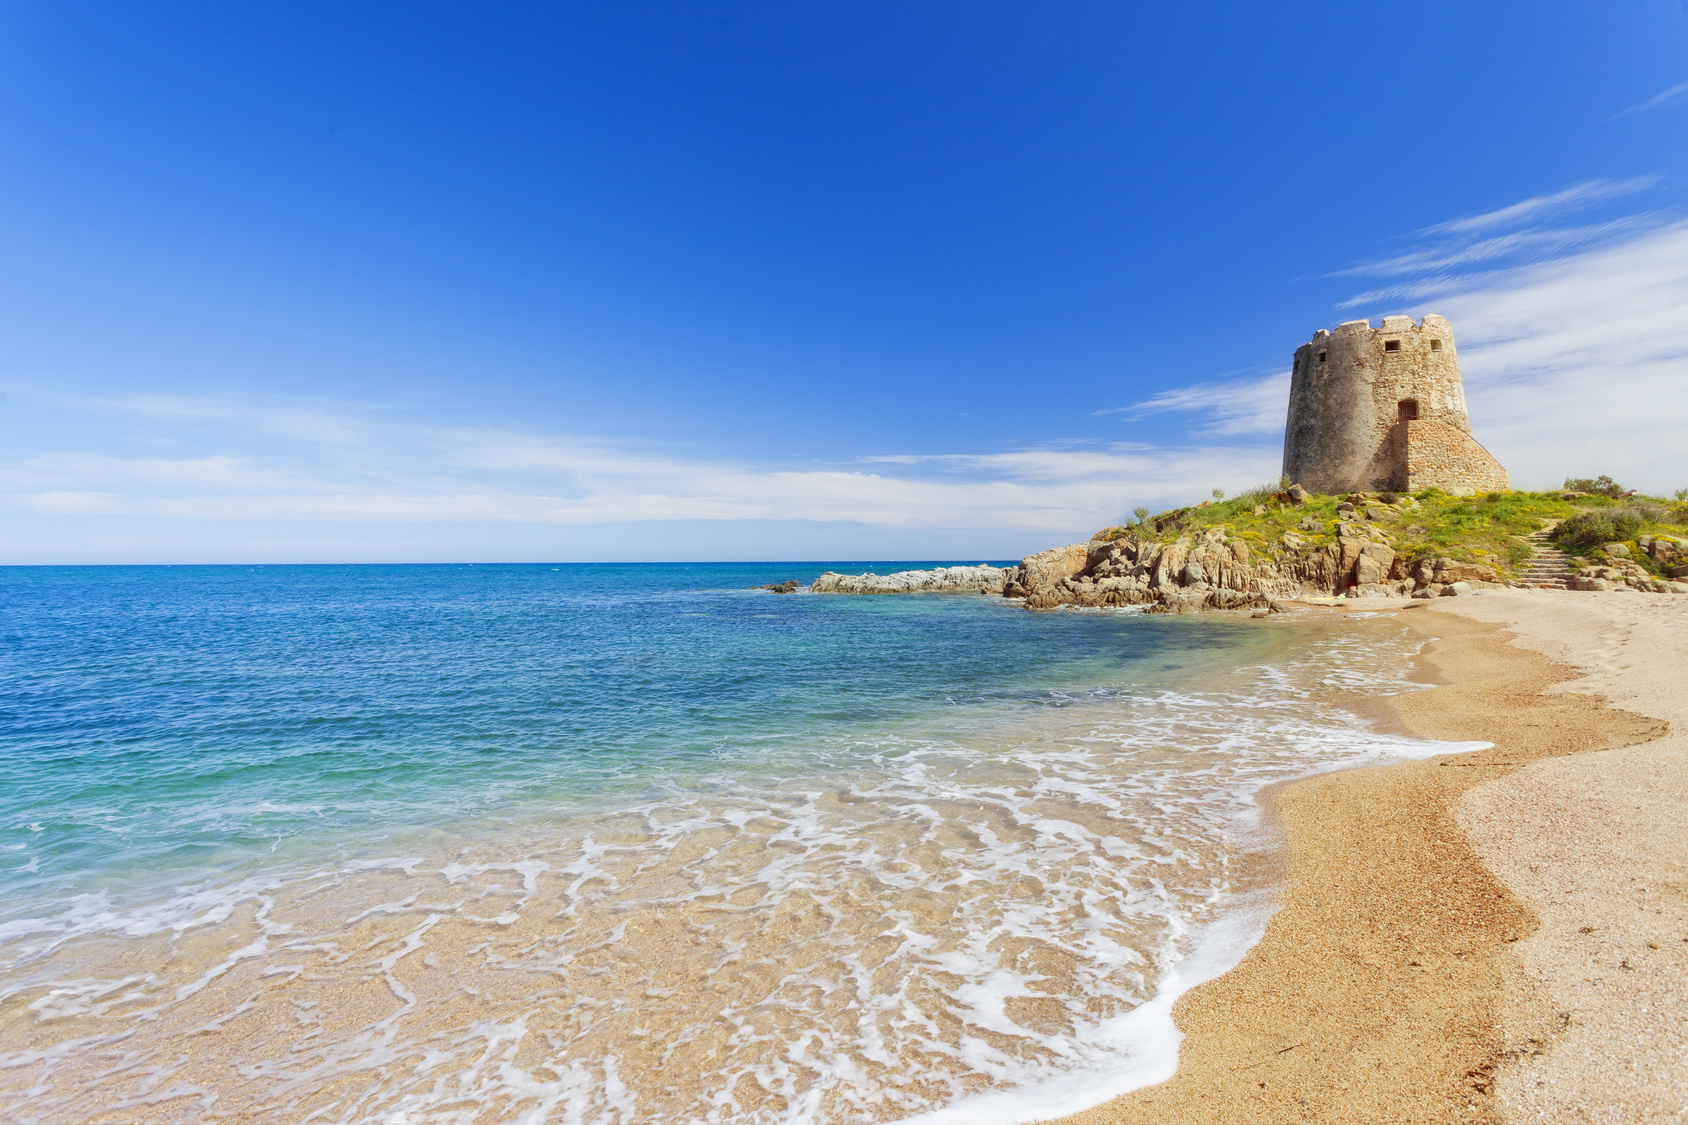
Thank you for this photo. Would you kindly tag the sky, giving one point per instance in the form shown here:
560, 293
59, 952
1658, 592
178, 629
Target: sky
422, 281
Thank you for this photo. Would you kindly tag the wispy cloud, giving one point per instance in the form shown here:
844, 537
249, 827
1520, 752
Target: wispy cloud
1657, 101
1577, 196
1449, 252
395, 473
1575, 366
1234, 407
1529, 244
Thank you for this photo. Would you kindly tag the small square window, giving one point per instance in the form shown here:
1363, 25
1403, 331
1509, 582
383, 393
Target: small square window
1435, 345
1408, 408
1321, 357
1391, 345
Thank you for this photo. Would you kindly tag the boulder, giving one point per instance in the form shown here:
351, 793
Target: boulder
1373, 564
1616, 550
1456, 589
1451, 570
1298, 495
1044, 569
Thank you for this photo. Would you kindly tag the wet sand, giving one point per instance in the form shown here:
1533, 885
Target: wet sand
1488, 937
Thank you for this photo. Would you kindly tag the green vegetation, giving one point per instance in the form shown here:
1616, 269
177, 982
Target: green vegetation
1590, 529
1487, 529
1598, 486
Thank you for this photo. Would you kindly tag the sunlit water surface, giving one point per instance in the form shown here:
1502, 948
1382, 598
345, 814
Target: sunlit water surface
622, 843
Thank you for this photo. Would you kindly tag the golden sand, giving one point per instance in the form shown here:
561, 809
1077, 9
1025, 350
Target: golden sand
1402, 980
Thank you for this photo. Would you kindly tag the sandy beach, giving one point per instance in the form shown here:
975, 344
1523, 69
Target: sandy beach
1495, 936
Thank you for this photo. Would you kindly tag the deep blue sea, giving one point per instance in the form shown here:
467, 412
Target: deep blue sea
623, 842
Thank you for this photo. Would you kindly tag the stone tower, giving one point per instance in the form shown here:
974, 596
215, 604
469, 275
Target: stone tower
1377, 409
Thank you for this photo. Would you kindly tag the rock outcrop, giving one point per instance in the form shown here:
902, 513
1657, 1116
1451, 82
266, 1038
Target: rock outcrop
1213, 570
1209, 570
1046, 568
980, 579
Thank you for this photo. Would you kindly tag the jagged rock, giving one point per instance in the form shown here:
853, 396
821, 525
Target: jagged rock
1374, 564
1664, 548
1048, 567
1298, 495
789, 586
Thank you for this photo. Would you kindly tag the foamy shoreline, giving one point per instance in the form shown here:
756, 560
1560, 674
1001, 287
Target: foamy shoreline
1452, 947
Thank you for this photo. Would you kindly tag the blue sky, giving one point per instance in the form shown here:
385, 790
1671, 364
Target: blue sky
430, 281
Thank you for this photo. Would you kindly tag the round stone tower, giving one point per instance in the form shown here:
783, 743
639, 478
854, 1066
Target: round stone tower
1383, 409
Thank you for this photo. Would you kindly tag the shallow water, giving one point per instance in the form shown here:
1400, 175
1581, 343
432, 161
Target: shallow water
616, 844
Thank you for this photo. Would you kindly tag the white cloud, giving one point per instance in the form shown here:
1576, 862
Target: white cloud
1580, 366
1657, 101
1236, 407
398, 474
1525, 243
1573, 366
1585, 194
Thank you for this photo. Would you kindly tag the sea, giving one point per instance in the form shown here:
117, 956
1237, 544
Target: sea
630, 843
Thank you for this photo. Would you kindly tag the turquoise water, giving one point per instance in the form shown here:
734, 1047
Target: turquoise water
609, 843
172, 722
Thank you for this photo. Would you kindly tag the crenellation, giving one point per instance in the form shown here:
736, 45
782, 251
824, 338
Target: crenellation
1376, 409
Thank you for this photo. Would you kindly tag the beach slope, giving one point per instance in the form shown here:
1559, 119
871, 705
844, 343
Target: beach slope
1455, 932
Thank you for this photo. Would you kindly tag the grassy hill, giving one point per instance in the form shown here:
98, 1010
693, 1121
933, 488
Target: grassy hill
1487, 529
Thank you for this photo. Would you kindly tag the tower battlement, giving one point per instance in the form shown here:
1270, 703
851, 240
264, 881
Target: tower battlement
1383, 408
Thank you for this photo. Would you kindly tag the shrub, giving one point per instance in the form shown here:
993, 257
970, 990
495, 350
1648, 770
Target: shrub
1599, 486
1587, 529
1650, 513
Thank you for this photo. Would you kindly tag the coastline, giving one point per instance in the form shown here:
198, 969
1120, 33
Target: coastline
1412, 973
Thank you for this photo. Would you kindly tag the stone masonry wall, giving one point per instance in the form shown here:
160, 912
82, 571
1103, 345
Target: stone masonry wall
1440, 455
1351, 393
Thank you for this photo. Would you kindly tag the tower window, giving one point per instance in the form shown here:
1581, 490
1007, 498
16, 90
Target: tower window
1321, 357
1391, 345
1435, 345
1409, 409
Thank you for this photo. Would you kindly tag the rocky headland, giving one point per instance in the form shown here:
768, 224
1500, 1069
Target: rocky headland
1285, 543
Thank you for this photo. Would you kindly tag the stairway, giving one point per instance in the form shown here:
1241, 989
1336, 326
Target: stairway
1547, 568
